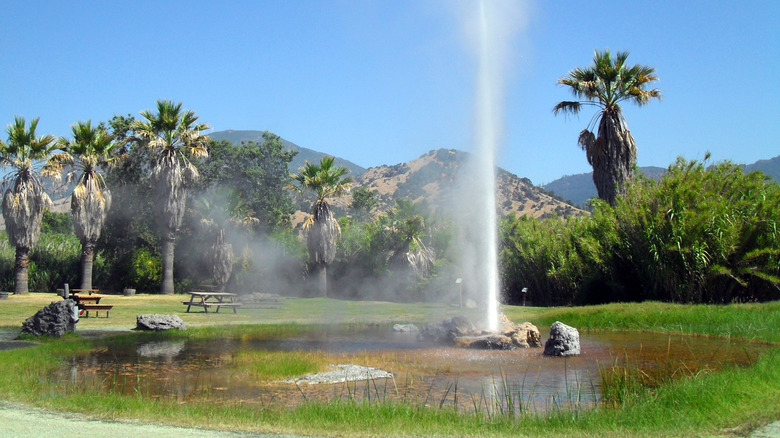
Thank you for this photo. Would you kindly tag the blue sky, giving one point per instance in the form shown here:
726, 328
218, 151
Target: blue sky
383, 82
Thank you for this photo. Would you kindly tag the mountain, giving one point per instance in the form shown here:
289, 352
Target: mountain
771, 167
433, 178
579, 188
304, 154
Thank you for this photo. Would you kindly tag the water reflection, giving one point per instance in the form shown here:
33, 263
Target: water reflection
423, 373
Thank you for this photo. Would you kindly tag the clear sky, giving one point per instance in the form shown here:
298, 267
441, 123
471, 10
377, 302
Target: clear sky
383, 82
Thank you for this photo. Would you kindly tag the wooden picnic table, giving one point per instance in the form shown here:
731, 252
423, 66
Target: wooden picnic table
89, 291
212, 299
89, 303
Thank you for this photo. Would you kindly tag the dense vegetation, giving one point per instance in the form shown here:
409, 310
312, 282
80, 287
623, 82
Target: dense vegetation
699, 235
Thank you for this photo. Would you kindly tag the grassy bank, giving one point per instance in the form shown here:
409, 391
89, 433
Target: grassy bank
704, 404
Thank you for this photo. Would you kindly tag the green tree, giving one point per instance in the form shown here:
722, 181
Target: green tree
173, 135
129, 230
605, 84
364, 201
324, 180
90, 150
256, 174
24, 198
407, 230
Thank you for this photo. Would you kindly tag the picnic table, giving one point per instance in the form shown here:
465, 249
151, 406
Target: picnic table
211, 299
90, 302
89, 291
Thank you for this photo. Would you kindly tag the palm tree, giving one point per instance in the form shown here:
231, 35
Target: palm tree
88, 151
220, 210
24, 199
172, 134
604, 85
406, 228
323, 230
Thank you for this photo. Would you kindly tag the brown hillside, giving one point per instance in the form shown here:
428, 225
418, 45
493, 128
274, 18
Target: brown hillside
432, 178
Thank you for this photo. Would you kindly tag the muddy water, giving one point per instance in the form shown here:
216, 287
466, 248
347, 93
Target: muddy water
424, 373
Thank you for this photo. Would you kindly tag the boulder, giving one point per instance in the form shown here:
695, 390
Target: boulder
485, 342
158, 322
448, 330
56, 319
524, 335
564, 341
460, 332
405, 328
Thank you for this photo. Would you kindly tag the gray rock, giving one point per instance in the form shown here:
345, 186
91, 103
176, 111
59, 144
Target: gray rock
564, 341
405, 328
448, 330
343, 373
486, 342
158, 322
56, 319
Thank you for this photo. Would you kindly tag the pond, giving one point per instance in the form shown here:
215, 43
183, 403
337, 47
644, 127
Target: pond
422, 373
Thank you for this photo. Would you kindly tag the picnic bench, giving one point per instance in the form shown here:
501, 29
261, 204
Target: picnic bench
208, 300
89, 303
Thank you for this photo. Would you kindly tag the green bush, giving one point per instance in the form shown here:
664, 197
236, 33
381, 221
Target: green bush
145, 273
699, 235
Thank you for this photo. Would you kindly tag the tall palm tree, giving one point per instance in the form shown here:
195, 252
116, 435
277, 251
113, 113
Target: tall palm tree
605, 84
24, 199
406, 227
91, 149
173, 134
221, 210
324, 180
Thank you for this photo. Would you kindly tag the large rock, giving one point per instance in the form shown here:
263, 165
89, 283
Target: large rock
56, 319
448, 330
564, 341
158, 322
460, 332
525, 335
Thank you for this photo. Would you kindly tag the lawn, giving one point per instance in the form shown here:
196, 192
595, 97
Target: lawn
734, 400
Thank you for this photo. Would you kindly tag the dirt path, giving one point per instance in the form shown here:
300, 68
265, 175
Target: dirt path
22, 421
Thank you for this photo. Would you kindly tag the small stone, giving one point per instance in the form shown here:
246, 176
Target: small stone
564, 341
158, 322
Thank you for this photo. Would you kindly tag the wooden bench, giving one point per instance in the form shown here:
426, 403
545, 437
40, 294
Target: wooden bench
96, 308
207, 305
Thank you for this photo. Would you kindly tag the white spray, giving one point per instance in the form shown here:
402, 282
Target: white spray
491, 35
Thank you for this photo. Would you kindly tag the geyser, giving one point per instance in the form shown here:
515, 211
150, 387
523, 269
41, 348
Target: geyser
491, 33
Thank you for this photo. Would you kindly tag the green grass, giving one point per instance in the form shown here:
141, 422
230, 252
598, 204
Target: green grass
707, 403
750, 321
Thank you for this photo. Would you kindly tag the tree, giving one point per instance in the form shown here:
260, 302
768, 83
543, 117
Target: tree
363, 202
406, 230
257, 174
88, 151
173, 135
605, 84
24, 199
324, 180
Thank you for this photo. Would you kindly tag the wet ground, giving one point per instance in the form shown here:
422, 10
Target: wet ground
421, 373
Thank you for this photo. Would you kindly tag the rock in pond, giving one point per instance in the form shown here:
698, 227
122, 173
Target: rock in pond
460, 332
564, 341
157, 322
55, 320
343, 373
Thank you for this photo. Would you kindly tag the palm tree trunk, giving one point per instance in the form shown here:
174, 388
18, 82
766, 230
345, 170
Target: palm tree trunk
168, 245
87, 256
322, 279
20, 270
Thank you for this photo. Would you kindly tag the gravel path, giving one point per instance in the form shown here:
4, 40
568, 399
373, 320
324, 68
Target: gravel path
21, 421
